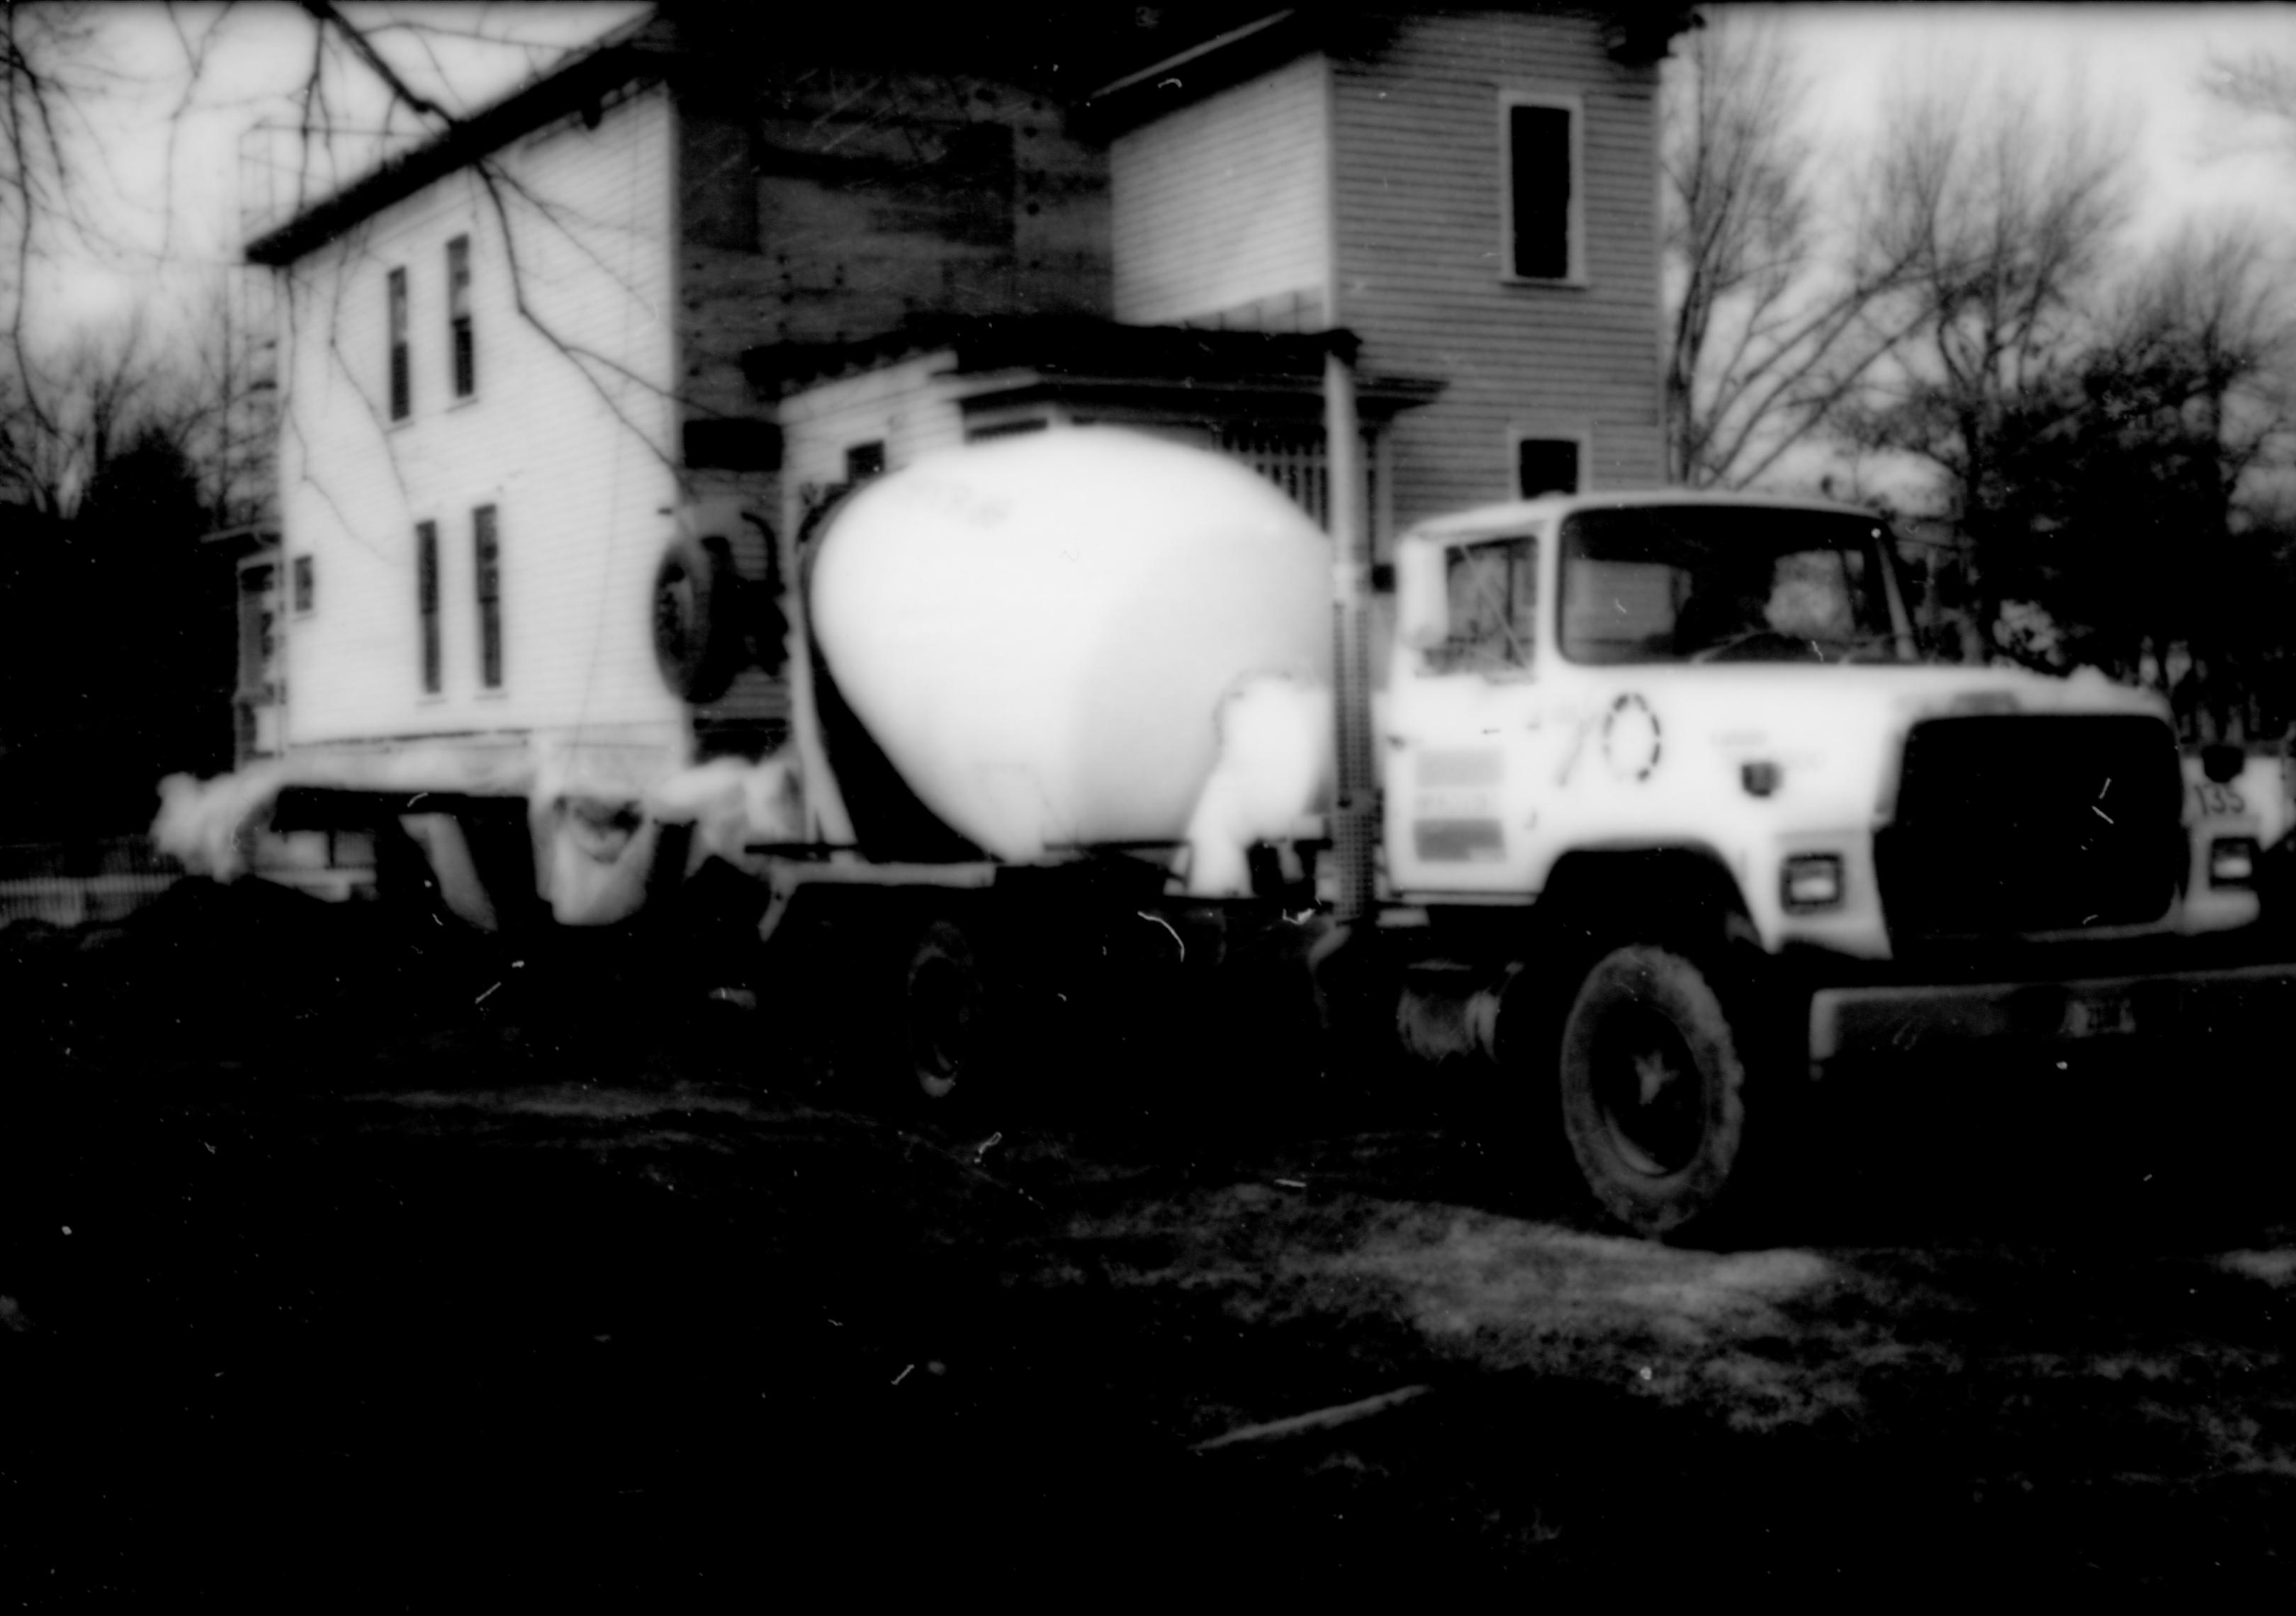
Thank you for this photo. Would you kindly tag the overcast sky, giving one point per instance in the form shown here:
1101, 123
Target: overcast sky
176, 166
2136, 65
192, 196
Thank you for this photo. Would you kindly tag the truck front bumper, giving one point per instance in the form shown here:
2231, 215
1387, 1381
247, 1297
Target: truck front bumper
1899, 1019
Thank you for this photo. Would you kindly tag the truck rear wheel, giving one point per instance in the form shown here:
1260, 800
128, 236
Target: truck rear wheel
1653, 1082
944, 1020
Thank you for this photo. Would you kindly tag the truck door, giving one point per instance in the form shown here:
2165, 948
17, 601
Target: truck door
1468, 733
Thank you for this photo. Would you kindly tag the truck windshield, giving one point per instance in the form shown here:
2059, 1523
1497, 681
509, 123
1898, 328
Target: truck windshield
1725, 583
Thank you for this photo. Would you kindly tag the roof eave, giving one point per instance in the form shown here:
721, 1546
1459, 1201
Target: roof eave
1056, 344
1137, 98
630, 54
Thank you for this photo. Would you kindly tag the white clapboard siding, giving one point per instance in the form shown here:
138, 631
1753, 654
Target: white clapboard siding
899, 406
1223, 207
570, 436
1419, 213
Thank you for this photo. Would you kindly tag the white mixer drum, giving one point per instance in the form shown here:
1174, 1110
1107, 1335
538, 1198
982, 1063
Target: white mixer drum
1038, 632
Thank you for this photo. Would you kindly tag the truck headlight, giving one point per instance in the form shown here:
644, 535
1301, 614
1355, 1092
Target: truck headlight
1811, 880
2231, 861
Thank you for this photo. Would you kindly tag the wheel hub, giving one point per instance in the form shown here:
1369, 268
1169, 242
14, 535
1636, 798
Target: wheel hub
1647, 1089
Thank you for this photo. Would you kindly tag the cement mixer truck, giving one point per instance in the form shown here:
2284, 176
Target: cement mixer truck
1645, 807
1668, 822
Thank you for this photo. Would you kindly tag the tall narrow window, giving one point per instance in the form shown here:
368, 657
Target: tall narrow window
487, 551
426, 601
305, 584
1543, 205
458, 316
402, 382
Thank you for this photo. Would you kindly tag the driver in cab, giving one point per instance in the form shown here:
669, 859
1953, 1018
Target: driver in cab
1789, 609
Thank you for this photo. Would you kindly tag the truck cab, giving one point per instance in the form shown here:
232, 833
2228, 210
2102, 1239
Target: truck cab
1738, 678
1670, 791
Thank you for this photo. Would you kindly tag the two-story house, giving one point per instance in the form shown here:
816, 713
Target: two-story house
704, 269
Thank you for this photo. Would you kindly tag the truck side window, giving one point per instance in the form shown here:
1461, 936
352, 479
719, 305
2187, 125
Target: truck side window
1493, 608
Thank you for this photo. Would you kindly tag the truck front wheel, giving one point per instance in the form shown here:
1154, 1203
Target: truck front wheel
1653, 1081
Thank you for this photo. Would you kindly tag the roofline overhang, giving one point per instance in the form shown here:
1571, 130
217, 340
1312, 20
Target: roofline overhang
1056, 345
1634, 33
1257, 46
1378, 398
646, 48
1549, 507
254, 535
634, 51
1171, 65
1014, 361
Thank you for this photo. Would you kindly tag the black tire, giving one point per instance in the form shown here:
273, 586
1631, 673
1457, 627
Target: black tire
944, 1028
1652, 1078
699, 638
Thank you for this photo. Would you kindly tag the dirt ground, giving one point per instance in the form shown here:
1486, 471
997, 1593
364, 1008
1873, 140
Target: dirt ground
390, 1286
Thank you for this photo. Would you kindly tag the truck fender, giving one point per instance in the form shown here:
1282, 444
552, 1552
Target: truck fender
1682, 893
1595, 901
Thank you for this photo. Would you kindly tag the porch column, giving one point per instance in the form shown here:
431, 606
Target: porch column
1355, 808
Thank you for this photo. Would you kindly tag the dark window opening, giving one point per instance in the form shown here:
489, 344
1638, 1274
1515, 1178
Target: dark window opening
732, 445
977, 174
718, 173
258, 631
487, 552
864, 461
402, 379
426, 567
305, 584
458, 316
1538, 151
1547, 465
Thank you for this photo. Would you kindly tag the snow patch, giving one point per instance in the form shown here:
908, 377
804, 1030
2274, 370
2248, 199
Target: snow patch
1495, 1272
2274, 1267
587, 804
207, 825
1273, 767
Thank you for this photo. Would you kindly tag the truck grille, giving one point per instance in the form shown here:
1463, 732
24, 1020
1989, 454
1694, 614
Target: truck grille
2011, 826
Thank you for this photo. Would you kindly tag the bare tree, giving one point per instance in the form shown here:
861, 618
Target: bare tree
69, 410
62, 417
2190, 408
1772, 324
2211, 309
59, 404
371, 79
2006, 224
2257, 86
49, 77
231, 426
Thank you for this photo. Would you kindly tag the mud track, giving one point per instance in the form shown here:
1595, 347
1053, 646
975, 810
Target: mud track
393, 1290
